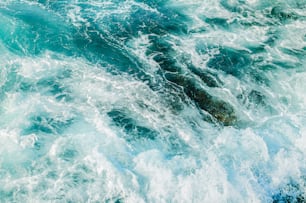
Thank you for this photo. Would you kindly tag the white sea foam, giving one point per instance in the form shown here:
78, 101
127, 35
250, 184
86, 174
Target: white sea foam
61, 144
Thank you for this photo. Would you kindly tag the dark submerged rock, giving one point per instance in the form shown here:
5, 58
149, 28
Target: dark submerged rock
220, 110
208, 78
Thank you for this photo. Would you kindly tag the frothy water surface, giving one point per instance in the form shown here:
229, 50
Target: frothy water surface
152, 101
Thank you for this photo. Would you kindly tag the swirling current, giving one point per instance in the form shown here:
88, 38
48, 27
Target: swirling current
153, 101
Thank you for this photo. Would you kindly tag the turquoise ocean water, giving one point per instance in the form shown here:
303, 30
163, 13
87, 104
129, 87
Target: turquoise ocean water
153, 101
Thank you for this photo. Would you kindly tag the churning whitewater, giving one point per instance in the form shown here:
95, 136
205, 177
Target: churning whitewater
153, 101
